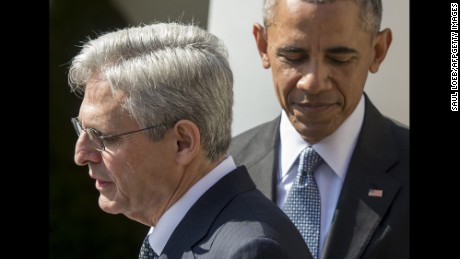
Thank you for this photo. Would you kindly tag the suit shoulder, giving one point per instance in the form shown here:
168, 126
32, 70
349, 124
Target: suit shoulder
247, 135
400, 132
258, 219
262, 131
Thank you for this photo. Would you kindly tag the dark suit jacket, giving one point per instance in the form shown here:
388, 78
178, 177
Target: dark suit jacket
363, 226
235, 220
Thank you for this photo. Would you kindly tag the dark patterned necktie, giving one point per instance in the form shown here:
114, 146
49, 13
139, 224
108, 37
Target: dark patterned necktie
146, 250
303, 203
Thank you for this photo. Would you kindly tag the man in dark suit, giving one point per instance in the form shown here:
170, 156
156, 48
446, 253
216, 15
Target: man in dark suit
154, 129
320, 53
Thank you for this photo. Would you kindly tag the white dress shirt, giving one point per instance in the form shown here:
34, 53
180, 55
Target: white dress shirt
160, 234
335, 150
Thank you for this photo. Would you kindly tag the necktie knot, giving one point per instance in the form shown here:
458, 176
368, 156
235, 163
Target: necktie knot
309, 160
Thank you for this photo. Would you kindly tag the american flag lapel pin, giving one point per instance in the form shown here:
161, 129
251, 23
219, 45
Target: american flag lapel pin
375, 193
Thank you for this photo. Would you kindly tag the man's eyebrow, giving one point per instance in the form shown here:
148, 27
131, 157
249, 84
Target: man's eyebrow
333, 50
290, 49
341, 50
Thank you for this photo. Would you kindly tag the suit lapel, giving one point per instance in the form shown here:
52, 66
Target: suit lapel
196, 223
262, 159
368, 190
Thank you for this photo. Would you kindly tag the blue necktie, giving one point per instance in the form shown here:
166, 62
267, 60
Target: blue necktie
146, 250
303, 203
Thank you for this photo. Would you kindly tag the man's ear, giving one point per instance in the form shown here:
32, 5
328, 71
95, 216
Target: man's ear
260, 35
188, 141
381, 43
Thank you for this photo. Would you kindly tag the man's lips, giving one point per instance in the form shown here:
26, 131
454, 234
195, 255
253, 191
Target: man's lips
312, 107
100, 184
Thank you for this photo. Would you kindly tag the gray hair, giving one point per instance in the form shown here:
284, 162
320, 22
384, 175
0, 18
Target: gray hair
370, 12
170, 72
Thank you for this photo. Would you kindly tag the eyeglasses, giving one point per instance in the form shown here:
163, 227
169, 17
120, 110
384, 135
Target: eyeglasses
96, 137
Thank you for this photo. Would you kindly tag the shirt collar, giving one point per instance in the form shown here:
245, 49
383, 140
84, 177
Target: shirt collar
336, 149
160, 234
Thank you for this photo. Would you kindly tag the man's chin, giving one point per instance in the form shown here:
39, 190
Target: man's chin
108, 206
311, 134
